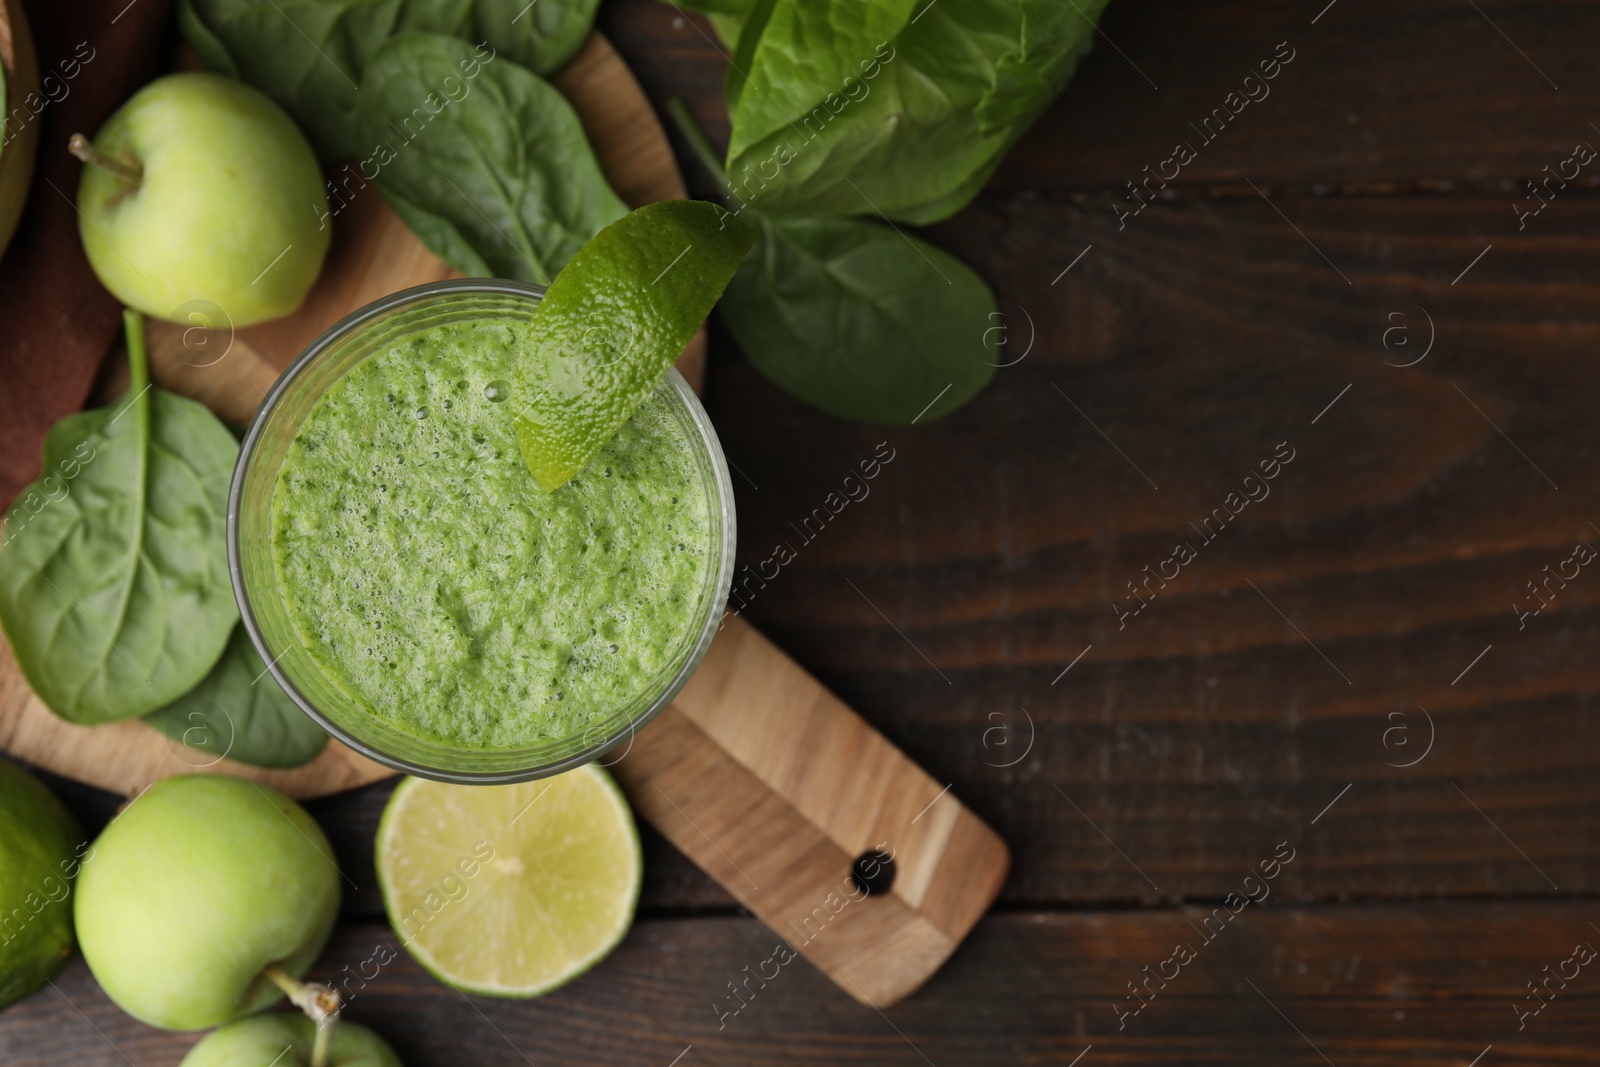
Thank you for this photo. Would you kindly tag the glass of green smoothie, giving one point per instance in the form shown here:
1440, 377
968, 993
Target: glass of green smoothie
415, 591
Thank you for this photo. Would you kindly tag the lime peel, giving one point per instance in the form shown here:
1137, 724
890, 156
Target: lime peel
613, 321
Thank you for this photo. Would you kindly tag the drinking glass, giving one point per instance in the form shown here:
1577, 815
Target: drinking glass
266, 616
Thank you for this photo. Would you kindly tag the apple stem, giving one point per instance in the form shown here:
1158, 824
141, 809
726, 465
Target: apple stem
320, 1002
80, 146
322, 1042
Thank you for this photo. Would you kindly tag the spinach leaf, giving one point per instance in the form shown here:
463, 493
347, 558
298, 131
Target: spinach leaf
729, 28
453, 17
748, 28
904, 109
498, 167
441, 235
208, 47
114, 587
541, 35
803, 50
713, 7
855, 317
310, 55
239, 711
861, 321
305, 54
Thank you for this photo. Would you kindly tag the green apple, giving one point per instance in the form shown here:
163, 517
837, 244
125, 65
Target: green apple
285, 1041
199, 885
40, 846
200, 188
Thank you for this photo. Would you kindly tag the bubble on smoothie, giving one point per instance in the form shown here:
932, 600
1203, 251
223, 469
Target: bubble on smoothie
497, 390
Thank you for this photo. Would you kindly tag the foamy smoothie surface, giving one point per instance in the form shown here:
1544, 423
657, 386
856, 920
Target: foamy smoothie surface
434, 581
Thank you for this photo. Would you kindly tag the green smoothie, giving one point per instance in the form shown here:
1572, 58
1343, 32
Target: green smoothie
442, 589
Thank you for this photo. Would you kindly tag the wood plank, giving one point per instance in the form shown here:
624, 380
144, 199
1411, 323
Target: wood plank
1366, 986
993, 548
775, 788
1430, 98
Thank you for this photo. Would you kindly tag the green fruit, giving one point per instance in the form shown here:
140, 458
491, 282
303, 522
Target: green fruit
611, 324
510, 890
199, 885
207, 195
285, 1041
40, 843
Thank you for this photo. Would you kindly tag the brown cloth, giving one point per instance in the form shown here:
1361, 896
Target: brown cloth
56, 320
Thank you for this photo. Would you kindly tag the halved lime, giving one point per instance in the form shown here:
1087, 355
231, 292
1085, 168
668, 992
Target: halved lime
510, 890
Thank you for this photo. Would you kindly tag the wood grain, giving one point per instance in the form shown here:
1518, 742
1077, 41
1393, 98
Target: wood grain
992, 551
1367, 986
774, 787
1198, 337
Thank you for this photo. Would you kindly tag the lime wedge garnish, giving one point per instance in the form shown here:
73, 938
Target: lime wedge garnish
613, 321
510, 890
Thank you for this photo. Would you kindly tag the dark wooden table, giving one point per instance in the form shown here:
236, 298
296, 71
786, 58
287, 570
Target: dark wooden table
1340, 675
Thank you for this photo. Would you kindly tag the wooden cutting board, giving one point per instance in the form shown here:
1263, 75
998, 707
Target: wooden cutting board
757, 772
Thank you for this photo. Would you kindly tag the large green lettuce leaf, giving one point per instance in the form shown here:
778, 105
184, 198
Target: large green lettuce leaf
893, 107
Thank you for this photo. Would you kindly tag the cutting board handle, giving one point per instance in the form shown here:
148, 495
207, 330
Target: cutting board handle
776, 789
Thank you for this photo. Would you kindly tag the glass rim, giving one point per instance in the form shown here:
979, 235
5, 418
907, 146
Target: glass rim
724, 559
